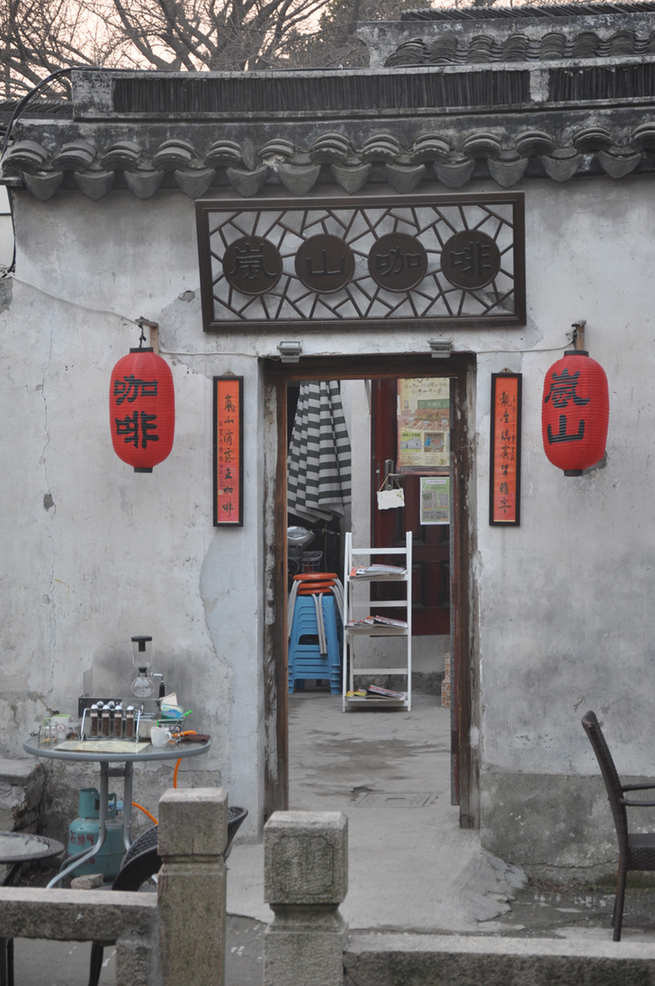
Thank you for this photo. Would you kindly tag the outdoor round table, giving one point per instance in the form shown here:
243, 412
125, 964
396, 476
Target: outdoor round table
143, 753
17, 848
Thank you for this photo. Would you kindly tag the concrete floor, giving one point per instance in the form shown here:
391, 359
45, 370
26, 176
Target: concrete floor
410, 865
411, 868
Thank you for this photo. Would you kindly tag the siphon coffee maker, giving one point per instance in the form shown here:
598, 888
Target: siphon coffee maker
143, 686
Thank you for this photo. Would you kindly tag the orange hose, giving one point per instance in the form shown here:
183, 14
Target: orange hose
145, 812
188, 732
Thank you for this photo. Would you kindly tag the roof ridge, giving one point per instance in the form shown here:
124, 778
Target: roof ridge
529, 10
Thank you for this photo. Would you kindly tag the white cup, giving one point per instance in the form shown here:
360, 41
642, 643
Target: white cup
58, 727
160, 736
62, 725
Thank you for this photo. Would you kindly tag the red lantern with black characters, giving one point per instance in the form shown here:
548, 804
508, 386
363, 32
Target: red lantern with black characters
142, 409
575, 412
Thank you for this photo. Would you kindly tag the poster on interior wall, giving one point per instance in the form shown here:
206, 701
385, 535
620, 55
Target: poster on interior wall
423, 418
505, 467
228, 451
435, 499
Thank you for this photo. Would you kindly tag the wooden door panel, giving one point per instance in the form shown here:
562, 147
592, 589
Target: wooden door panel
431, 546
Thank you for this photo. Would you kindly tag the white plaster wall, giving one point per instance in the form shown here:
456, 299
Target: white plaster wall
566, 613
356, 399
93, 553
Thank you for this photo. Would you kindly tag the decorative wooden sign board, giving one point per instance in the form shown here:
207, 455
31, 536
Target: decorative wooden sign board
505, 467
228, 451
423, 260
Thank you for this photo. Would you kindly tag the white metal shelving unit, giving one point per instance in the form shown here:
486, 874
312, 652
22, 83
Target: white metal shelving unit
357, 605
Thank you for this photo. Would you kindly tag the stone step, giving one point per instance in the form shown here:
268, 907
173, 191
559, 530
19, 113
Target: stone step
21, 792
453, 960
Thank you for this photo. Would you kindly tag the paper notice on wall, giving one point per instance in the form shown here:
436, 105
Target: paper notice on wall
423, 416
435, 499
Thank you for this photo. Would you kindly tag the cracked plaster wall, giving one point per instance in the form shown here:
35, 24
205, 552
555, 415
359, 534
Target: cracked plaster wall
566, 616
94, 553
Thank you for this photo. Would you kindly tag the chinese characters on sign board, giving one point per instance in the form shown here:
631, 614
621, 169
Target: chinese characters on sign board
397, 262
252, 265
470, 259
354, 263
505, 468
228, 451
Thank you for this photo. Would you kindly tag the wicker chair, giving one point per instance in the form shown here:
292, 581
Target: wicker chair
636, 850
140, 863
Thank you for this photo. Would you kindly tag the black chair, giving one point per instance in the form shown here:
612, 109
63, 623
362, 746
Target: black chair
140, 863
636, 850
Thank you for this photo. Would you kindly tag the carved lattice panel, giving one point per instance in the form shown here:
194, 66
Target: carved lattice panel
332, 263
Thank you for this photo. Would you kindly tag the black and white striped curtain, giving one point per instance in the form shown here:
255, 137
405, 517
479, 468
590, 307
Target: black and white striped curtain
319, 460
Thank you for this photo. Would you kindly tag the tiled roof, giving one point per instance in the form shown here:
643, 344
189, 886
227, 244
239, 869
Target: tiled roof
474, 35
500, 94
527, 11
449, 49
94, 169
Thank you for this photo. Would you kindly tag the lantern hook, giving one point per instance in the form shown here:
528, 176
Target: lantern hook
141, 321
578, 333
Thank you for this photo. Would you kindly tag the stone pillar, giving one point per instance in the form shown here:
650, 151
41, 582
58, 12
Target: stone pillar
305, 880
191, 886
137, 960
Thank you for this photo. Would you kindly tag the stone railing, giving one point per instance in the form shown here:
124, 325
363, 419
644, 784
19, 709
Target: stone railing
175, 938
128, 919
178, 937
305, 880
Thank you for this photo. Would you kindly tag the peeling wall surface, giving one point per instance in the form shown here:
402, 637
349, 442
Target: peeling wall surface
562, 619
94, 553
565, 601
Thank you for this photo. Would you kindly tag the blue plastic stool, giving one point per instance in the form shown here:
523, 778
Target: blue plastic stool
305, 658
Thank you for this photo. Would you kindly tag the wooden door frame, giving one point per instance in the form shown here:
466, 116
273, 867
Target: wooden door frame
276, 375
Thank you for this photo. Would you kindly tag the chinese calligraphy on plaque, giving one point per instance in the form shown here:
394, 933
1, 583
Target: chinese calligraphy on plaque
421, 258
505, 471
228, 451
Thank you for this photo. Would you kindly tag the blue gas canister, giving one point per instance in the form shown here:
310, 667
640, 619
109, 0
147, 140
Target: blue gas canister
83, 834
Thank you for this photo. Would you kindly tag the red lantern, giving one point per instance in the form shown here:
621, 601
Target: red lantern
142, 409
575, 412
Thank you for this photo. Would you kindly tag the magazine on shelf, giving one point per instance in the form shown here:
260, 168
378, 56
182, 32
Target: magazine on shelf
389, 622
375, 691
377, 571
372, 621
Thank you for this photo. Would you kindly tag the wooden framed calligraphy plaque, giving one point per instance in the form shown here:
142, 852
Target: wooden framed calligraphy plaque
430, 260
505, 465
228, 451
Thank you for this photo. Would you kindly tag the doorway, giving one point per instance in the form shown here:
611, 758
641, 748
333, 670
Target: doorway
277, 375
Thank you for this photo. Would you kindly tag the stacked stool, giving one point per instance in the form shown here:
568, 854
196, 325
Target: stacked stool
315, 620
